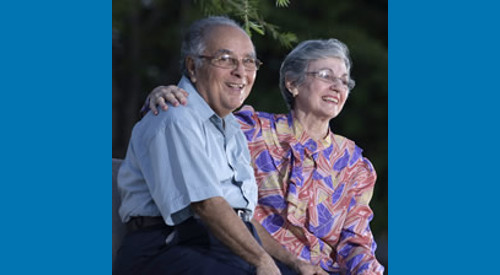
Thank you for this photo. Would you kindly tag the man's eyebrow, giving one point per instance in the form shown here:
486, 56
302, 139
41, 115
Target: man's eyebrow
224, 51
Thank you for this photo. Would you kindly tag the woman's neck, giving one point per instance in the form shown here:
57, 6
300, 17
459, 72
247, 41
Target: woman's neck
315, 127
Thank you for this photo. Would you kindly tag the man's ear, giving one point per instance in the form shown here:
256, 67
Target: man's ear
191, 68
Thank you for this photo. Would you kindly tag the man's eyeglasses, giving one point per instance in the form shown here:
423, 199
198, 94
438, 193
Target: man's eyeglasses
326, 75
228, 61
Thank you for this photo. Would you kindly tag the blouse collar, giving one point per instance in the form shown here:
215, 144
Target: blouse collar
303, 138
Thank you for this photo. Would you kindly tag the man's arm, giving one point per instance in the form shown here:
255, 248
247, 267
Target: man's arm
281, 254
223, 222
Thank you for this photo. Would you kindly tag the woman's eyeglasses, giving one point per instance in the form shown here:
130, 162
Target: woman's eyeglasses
326, 75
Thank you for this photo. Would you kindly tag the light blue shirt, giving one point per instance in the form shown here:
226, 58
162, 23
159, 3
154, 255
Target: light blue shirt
182, 156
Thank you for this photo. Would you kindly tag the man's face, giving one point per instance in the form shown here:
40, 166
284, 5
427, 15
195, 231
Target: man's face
225, 89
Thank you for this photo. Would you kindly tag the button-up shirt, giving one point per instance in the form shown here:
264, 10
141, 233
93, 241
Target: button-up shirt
313, 194
183, 156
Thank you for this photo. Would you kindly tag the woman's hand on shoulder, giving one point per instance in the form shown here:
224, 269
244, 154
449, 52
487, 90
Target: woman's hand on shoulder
163, 94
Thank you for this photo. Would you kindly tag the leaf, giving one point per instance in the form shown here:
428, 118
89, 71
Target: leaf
287, 39
257, 28
282, 3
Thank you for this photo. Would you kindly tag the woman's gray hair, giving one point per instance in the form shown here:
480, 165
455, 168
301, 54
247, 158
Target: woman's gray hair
193, 43
295, 64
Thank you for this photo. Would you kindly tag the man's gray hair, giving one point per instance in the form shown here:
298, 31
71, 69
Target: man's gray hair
295, 64
194, 40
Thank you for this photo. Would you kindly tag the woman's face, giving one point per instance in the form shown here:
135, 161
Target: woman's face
324, 91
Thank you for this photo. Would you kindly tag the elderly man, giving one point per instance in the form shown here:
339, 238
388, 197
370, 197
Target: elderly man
187, 187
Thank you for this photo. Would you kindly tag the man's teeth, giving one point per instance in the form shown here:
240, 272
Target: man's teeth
331, 99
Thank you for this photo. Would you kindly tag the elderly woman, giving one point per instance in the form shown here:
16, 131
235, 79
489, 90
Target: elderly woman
314, 186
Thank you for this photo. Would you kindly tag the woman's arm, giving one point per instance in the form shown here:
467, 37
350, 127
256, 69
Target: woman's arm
161, 95
356, 249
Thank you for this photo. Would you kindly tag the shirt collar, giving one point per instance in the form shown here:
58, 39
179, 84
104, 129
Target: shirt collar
204, 110
303, 138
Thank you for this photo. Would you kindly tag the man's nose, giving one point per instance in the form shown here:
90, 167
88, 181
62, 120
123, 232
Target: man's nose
239, 70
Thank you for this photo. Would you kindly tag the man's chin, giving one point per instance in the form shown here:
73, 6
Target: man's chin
235, 104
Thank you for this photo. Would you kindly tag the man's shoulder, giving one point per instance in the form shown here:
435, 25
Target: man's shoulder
174, 115
151, 125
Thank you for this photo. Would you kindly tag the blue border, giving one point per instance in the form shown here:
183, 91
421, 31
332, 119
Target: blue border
55, 71
443, 137
55, 75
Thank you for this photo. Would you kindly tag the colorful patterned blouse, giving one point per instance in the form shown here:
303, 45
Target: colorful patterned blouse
313, 196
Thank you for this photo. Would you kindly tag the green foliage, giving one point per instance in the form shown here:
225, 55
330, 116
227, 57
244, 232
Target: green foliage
248, 13
282, 3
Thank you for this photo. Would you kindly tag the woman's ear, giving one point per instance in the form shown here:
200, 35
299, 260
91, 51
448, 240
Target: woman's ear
190, 66
292, 88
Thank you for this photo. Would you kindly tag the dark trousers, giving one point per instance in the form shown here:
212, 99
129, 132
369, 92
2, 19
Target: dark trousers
192, 250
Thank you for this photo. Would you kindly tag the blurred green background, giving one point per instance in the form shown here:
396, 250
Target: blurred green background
146, 45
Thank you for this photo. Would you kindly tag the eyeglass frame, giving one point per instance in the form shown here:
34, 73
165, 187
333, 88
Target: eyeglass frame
235, 61
350, 83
